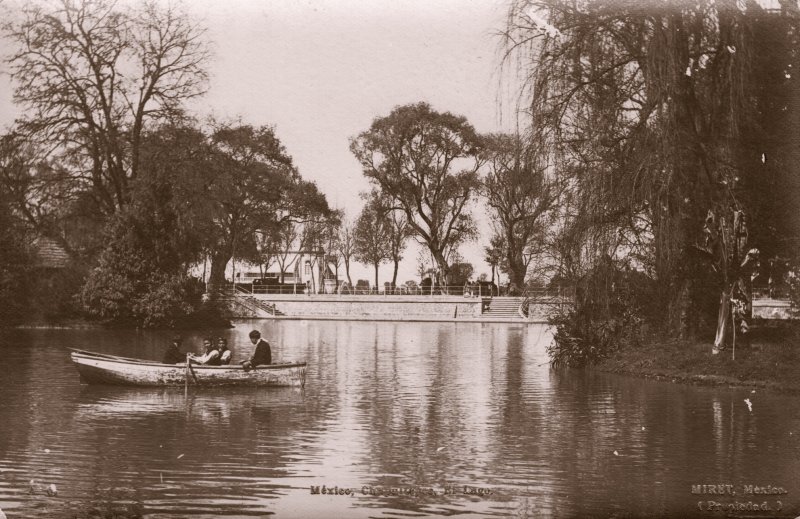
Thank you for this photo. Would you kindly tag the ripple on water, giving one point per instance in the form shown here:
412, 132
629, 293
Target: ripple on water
400, 404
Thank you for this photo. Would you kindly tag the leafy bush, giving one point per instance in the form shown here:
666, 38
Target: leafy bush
55, 294
14, 268
610, 306
127, 288
13, 305
578, 341
165, 301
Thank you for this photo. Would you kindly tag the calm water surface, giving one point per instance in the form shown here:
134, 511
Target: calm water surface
411, 405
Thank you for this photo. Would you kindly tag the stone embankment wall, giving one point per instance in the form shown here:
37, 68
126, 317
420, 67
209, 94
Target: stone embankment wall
401, 307
772, 309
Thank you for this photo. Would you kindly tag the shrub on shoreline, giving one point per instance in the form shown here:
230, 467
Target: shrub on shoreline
611, 305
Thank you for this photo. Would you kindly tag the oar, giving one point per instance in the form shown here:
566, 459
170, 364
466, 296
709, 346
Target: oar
186, 378
188, 371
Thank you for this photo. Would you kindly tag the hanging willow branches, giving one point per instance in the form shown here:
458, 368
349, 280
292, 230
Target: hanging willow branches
644, 107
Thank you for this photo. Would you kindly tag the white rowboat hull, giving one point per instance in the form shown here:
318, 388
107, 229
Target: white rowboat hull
95, 368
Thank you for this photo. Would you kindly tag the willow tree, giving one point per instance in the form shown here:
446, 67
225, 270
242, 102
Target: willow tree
644, 107
425, 162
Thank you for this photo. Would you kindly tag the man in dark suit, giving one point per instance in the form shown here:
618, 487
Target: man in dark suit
174, 355
262, 353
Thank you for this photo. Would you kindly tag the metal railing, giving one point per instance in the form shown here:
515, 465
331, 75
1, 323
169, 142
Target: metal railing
344, 290
564, 293
544, 296
778, 293
546, 300
555, 295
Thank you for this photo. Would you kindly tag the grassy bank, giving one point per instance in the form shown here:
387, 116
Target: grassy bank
771, 360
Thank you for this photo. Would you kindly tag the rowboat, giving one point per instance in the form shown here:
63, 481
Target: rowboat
100, 368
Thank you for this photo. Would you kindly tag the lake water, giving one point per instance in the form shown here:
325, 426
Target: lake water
431, 409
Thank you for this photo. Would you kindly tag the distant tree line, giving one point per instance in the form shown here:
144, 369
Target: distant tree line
657, 152
105, 162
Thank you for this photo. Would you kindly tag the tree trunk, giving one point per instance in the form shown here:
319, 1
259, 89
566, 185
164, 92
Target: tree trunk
516, 274
216, 280
442, 263
723, 320
281, 265
684, 310
313, 278
347, 272
516, 264
394, 276
673, 230
376, 277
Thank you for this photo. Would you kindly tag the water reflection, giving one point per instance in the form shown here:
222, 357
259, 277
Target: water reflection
385, 405
119, 402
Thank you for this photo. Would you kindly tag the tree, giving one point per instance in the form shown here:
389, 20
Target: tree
167, 207
772, 194
461, 271
43, 194
319, 242
398, 228
312, 243
423, 264
91, 75
14, 265
285, 243
346, 246
251, 185
399, 231
494, 253
142, 275
128, 287
426, 163
330, 242
267, 246
521, 197
372, 237
648, 113
93, 78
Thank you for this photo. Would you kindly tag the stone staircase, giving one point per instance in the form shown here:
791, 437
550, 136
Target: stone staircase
504, 307
264, 306
246, 306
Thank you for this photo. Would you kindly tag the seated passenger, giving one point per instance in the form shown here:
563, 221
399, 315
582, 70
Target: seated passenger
210, 357
174, 355
261, 355
224, 352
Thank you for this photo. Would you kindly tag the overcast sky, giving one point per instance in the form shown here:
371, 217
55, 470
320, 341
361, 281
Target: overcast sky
321, 71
